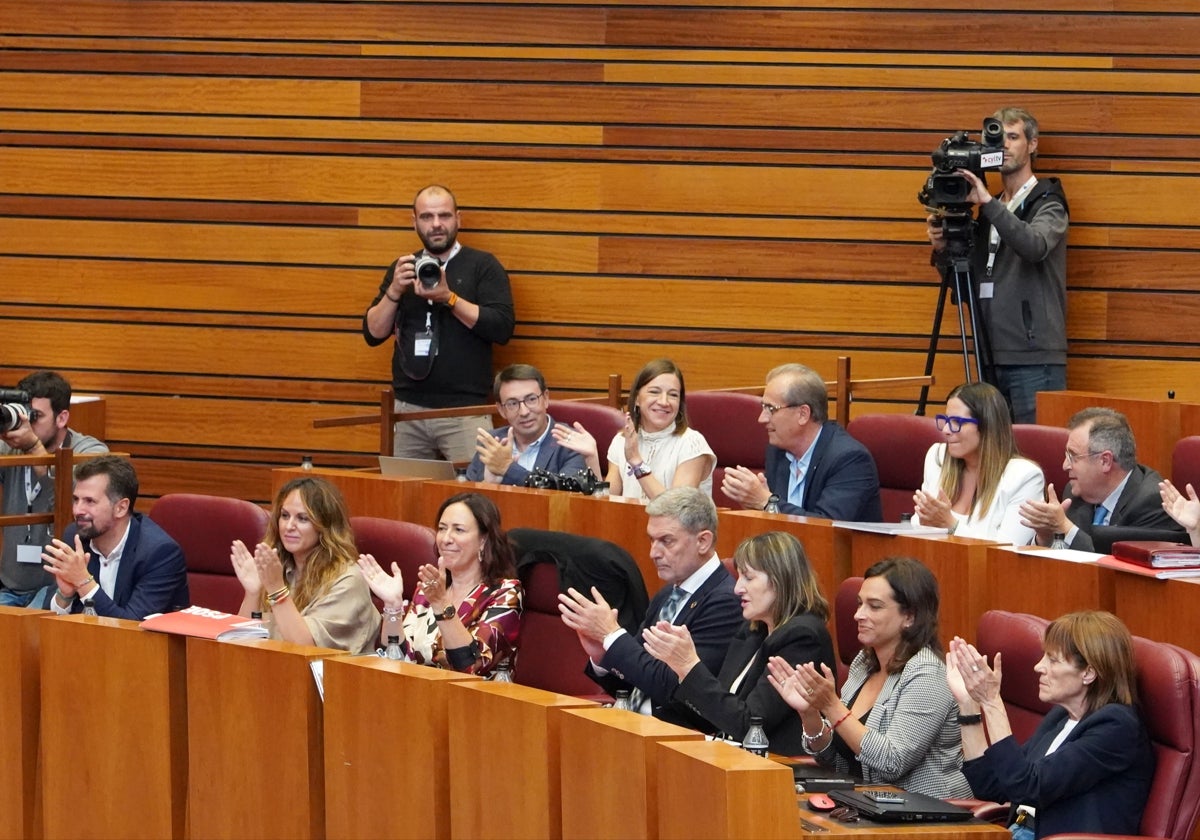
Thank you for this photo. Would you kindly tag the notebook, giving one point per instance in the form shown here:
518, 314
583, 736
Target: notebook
416, 468
910, 807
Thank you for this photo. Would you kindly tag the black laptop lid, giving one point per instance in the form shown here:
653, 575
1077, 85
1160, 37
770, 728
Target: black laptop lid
911, 807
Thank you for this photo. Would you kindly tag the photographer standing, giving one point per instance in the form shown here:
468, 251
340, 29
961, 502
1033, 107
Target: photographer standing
445, 324
31, 489
1019, 263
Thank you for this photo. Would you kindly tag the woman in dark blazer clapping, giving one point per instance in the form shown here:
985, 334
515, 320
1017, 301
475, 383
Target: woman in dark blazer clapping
785, 616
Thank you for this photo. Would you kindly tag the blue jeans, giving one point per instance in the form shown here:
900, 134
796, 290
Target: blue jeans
1020, 384
23, 597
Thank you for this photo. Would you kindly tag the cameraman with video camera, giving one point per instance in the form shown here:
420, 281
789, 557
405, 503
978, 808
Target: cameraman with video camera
41, 429
446, 305
1019, 264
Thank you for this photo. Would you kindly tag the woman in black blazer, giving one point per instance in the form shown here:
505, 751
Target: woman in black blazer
785, 616
1089, 766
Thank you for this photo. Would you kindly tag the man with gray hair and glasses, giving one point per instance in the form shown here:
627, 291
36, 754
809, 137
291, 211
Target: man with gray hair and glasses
1108, 489
813, 466
682, 527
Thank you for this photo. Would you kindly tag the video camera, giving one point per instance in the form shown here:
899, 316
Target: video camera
946, 192
584, 481
14, 407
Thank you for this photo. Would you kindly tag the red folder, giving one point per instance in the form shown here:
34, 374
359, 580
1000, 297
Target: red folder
206, 624
1111, 562
1157, 554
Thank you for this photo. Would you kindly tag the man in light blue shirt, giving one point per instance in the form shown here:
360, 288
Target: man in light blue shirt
508, 455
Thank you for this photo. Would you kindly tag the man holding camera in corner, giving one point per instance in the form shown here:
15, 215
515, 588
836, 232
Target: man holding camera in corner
446, 305
1019, 263
42, 430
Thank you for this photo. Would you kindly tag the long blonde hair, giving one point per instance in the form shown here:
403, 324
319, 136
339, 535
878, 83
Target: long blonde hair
335, 548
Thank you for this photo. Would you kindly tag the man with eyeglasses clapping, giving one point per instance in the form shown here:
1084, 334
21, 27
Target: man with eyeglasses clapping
508, 455
813, 466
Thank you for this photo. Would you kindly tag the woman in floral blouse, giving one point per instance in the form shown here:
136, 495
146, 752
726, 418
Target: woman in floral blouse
465, 613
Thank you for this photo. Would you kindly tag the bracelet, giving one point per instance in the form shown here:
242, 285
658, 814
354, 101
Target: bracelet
841, 720
809, 740
969, 720
392, 299
84, 582
278, 596
638, 470
453, 299
390, 612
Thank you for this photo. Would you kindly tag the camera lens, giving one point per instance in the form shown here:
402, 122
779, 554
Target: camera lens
429, 271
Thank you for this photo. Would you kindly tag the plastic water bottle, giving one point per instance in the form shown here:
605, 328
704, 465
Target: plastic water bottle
306, 463
621, 701
503, 672
394, 651
255, 615
1059, 543
756, 738
89, 608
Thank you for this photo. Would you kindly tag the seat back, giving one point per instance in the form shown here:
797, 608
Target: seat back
1185, 463
1018, 638
550, 562
1168, 680
729, 422
407, 544
550, 656
603, 422
1046, 446
845, 605
898, 443
205, 527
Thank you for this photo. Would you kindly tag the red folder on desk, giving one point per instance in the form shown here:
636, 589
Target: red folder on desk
206, 624
1142, 569
1157, 554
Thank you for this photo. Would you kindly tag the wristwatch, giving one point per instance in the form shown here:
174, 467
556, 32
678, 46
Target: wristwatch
446, 614
772, 505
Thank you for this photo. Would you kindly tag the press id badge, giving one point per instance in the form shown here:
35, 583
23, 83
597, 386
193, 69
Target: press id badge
987, 291
29, 553
423, 343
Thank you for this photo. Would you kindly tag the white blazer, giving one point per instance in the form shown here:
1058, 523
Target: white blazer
1022, 480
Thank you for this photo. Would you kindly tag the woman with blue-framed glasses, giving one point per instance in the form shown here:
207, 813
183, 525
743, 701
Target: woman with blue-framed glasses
975, 480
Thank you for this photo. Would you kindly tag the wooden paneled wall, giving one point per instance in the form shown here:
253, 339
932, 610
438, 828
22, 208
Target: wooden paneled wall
197, 198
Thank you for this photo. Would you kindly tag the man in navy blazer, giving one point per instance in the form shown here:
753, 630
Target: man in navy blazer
813, 466
118, 561
682, 527
1101, 460
508, 455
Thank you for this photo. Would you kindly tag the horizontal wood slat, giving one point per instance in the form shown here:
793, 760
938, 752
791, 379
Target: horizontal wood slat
203, 194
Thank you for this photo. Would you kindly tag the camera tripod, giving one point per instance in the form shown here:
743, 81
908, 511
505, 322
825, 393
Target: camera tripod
958, 286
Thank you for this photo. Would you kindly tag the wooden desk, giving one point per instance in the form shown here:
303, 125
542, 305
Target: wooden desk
958, 563
520, 507
504, 760
617, 796
20, 686
89, 415
1027, 582
367, 493
827, 554
386, 744
255, 738
1162, 610
711, 789
1155, 423
114, 730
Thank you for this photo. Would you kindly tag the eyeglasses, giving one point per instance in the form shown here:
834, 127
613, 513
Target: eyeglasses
1072, 457
955, 424
771, 409
530, 402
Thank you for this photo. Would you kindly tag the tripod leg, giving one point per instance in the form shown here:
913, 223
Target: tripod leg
934, 335
963, 313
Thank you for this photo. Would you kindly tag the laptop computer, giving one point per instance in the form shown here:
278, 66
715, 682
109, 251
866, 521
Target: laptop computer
416, 468
899, 806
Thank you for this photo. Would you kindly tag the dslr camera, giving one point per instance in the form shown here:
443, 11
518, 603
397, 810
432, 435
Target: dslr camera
584, 481
429, 271
14, 407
